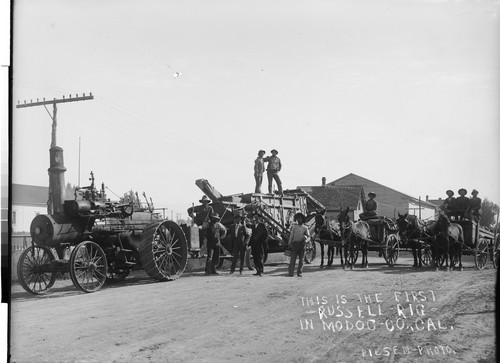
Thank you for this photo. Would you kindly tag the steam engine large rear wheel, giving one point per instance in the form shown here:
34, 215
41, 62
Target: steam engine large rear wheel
31, 270
163, 251
88, 267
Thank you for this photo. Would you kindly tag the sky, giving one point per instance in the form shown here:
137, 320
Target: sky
404, 93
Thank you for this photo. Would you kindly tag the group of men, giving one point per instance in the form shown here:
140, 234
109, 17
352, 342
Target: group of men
462, 207
246, 231
273, 169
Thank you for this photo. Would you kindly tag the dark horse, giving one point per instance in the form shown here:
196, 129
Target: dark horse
353, 234
412, 231
449, 238
329, 233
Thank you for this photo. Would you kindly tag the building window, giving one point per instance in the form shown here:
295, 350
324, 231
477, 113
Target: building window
13, 217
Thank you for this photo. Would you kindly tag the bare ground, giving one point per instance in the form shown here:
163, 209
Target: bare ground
274, 318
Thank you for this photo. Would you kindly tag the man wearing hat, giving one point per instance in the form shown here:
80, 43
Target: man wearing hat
215, 233
240, 235
448, 205
258, 170
475, 206
258, 242
299, 236
273, 168
201, 216
370, 207
461, 204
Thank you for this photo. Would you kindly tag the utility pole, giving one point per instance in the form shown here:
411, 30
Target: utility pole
57, 168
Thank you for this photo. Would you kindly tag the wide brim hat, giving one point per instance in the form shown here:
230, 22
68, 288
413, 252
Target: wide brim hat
204, 199
215, 216
462, 191
448, 192
474, 191
274, 150
372, 193
299, 215
262, 152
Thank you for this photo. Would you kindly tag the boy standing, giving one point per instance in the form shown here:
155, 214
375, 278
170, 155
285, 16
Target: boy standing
299, 235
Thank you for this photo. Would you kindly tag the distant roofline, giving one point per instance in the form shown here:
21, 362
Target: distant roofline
416, 200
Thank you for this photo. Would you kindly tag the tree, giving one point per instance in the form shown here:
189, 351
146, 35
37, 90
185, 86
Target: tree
490, 211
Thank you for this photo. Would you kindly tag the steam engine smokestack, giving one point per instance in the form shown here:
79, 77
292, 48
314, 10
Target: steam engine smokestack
56, 181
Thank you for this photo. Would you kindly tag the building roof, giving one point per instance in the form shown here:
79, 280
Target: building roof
409, 197
336, 197
29, 195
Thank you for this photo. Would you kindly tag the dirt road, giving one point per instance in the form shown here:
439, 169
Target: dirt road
328, 315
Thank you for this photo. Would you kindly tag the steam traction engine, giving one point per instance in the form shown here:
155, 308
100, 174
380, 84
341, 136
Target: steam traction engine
106, 239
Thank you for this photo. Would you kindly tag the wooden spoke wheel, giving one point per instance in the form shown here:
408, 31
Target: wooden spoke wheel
32, 273
117, 275
391, 250
427, 257
481, 253
496, 252
352, 253
249, 259
88, 267
310, 253
163, 251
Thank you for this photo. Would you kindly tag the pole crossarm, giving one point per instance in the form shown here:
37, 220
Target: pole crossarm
54, 101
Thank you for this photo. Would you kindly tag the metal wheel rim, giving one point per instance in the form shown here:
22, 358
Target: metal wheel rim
88, 267
481, 253
31, 278
496, 254
352, 254
391, 251
163, 250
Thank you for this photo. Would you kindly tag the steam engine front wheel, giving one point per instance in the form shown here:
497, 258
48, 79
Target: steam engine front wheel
32, 273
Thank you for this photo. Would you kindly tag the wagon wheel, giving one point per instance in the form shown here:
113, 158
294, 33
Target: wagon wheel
391, 250
481, 253
221, 261
30, 271
163, 251
352, 253
88, 267
249, 259
427, 257
117, 275
310, 253
496, 252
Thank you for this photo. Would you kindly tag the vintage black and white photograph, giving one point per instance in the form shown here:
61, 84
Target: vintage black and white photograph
254, 181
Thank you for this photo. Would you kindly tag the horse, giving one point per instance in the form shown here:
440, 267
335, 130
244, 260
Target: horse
449, 237
329, 232
352, 233
411, 230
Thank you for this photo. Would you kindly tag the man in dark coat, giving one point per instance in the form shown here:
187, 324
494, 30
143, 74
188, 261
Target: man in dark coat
241, 238
461, 204
215, 233
449, 204
258, 242
370, 207
201, 216
475, 206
